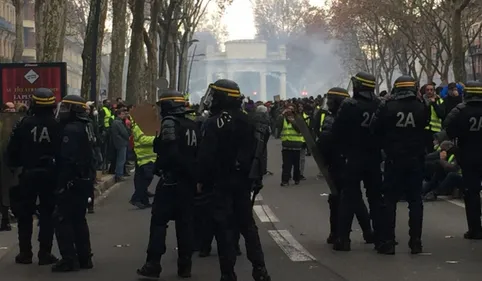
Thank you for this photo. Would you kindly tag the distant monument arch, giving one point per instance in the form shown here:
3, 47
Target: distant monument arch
248, 56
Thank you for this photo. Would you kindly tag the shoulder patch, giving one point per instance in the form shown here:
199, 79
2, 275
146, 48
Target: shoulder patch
223, 119
65, 139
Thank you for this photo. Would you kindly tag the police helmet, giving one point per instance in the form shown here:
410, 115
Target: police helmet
42, 97
363, 81
405, 84
75, 103
473, 89
223, 94
171, 102
334, 98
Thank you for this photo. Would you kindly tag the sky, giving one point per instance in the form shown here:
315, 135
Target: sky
239, 19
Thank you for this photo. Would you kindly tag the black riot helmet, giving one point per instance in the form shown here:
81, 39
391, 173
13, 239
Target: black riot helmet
72, 107
334, 98
223, 94
405, 86
473, 90
42, 97
171, 102
363, 82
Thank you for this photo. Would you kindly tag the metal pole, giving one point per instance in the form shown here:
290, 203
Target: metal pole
190, 68
95, 40
179, 70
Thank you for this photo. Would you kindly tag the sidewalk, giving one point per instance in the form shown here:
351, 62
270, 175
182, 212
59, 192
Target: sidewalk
8, 240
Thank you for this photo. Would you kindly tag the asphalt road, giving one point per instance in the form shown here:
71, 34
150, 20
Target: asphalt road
293, 225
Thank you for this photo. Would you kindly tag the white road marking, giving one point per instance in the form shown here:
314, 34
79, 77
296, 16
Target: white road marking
453, 201
290, 246
265, 214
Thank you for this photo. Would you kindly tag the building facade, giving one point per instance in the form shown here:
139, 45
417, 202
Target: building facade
72, 49
475, 54
7, 30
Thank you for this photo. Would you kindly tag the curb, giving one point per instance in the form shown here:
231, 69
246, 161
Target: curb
107, 181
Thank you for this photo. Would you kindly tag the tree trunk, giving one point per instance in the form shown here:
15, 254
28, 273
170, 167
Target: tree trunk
186, 38
458, 54
40, 9
118, 52
18, 51
172, 62
54, 28
134, 71
89, 46
60, 50
152, 51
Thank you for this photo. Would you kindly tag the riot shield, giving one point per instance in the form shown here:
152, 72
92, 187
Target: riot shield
310, 142
7, 178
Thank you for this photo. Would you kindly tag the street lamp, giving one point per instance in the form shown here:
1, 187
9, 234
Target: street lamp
190, 66
93, 71
189, 44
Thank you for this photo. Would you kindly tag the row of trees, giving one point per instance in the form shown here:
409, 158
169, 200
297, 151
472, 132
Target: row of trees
155, 33
423, 38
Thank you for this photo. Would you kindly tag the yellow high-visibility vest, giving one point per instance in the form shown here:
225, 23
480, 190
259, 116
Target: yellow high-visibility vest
289, 133
108, 115
323, 115
435, 122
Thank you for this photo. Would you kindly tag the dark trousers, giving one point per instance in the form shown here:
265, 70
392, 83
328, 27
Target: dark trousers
72, 231
403, 178
172, 202
429, 141
361, 211
368, 171
24, 206
291, 162
471, 181
142, 180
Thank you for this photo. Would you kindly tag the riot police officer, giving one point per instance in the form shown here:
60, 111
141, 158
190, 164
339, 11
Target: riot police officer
464, 122
333, 156
398, 125
75, 158
229, 161
32, 146
352, 129
176, 148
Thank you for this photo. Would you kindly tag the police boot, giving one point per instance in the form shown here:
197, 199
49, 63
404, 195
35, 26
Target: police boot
46, 258
261, 274
150, 269
66, 265
369, 237
386, 248
5, 225
24, 257
342, 245
204, 253
86, 262
473, 235
229, 277
184, 267
415, 245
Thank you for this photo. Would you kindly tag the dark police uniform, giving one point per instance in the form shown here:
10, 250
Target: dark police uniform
227, 154
464, 123
399, 126
176, 148
75, 158
363, 157
332, 153
32, 146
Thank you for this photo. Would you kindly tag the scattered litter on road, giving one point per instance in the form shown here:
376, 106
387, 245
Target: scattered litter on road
448, 237
122, 245
3, 248
302, 234
425, 254
452, 262
324, 194
313, 266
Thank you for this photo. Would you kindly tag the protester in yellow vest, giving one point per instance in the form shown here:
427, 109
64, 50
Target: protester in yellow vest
144, 173
292, 143
437, 113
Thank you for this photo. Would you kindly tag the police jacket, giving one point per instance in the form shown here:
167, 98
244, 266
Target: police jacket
327, 145
33, 142
399, 125
143, 146
176, 148
464, 123
75, 154
227, 148
352, 126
